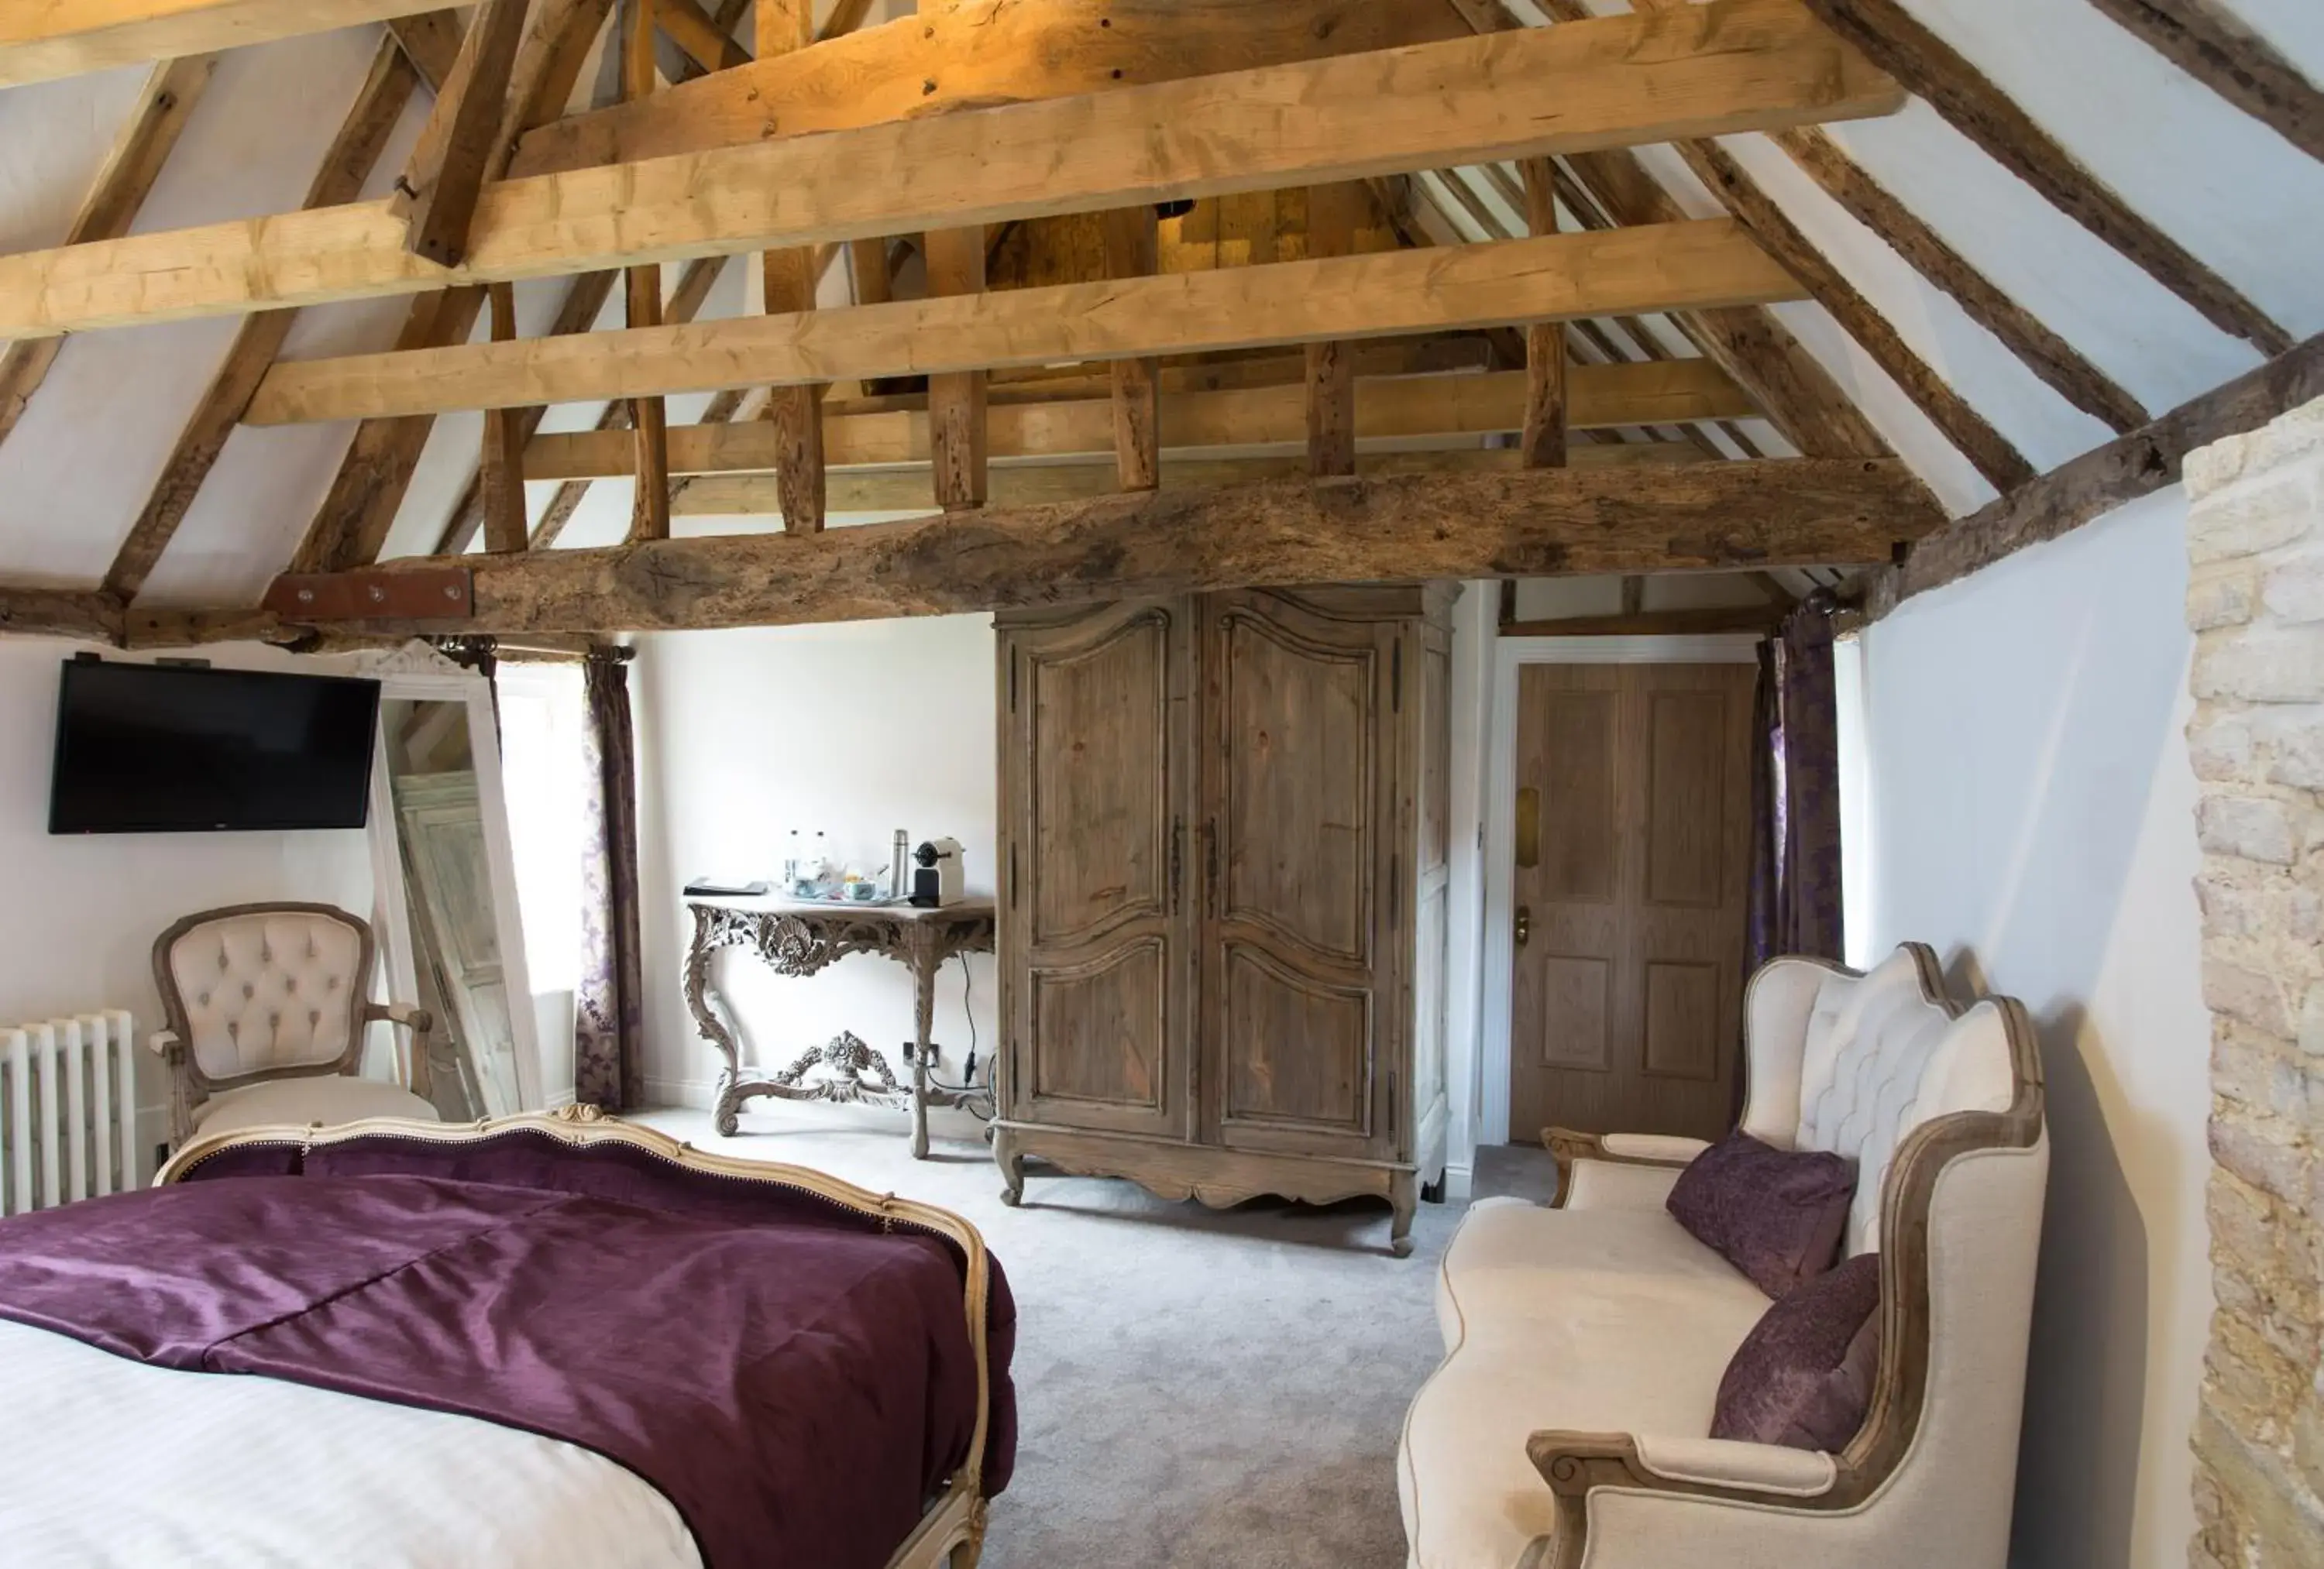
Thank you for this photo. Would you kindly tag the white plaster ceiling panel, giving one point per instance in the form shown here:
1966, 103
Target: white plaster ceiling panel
2150, 341
53, 135
2220, 183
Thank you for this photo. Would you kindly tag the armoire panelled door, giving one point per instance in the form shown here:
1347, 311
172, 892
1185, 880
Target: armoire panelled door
1300, 868
1095, 791
1633, 853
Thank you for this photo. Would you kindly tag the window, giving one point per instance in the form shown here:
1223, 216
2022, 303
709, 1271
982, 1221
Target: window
541, 716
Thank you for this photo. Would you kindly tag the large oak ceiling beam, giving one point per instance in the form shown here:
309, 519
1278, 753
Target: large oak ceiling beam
1643, 393
1665, 266
96, 617
1727, 65
2107, 477
989, 51
64, 37
1398, 528
1981, 112
2210, 43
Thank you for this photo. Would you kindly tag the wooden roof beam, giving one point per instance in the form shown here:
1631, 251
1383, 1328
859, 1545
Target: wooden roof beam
2098, 482
975, 54
1984, 114
360, 143
1400, 527
905, 488
1794, 391
359, 508
2210, 43
140, 149
1400, 408
446, 171
65, 38
1725, 66
1661, 267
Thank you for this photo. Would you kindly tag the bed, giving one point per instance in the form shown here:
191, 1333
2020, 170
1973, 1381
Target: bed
554, 1340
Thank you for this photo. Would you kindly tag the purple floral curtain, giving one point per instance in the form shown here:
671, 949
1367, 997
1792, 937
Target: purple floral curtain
1794, 895
609, 1007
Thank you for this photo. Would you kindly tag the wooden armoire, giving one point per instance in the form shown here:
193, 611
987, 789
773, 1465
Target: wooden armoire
1223, 893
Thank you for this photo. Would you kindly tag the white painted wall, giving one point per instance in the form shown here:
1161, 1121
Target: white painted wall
78, 913
2032, 815
857, 729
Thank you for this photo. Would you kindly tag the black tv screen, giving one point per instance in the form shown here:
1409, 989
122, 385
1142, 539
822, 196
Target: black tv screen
160, 748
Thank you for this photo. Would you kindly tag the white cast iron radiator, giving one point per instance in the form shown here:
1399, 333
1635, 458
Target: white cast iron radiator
68, 1111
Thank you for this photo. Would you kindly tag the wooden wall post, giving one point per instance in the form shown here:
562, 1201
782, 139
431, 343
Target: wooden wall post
956, 434
1543, 440
501, 474
1332, 216
790, 278
649, 511
1130, 252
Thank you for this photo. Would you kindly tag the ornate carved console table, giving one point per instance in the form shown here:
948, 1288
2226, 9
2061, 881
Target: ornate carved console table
798, 938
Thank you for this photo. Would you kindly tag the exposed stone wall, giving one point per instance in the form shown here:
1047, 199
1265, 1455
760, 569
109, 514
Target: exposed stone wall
2255, 539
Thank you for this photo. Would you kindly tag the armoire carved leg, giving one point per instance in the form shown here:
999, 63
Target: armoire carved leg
1012, 1161
1404, 1192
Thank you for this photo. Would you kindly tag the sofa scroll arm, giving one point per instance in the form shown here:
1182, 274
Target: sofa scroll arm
1567, 1148
421, 1024
1575, 1464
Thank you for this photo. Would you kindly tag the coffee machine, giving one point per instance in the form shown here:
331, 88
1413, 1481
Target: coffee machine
936, 878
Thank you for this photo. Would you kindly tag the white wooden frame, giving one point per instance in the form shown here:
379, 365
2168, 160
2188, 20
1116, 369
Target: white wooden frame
1498, 950
418, 673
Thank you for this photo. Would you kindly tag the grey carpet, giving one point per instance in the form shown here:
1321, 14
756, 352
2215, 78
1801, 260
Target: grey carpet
1196, 1386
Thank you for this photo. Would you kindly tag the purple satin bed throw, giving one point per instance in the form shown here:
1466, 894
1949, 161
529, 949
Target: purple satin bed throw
798, 1382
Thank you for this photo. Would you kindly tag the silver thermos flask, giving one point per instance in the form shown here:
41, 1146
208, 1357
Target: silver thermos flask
898, 871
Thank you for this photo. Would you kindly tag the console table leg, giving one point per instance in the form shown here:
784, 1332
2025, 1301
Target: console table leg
924, 1007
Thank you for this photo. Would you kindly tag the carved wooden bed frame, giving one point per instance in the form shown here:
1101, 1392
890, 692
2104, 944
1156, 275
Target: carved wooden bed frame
1574, 1463
951, 1534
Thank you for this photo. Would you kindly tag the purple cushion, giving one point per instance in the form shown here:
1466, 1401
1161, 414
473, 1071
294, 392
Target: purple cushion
1804, 1376
1776, 1215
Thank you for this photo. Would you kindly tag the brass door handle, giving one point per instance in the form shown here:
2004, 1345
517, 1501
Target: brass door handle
1525, 924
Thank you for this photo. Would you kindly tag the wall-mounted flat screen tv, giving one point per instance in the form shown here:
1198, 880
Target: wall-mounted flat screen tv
164, 748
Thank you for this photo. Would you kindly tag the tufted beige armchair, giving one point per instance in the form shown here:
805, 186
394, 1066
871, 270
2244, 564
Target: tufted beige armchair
266, 1006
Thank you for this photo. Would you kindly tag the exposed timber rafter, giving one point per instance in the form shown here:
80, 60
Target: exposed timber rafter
1519, 522
2107, 477
1980, 111
1709, 262
2210, 43
41, 42
352, 522
1794, 391
139, 150
362, 141
1729, 65
447, 169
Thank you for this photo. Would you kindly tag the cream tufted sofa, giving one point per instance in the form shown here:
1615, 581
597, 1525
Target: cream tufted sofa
266, 1006
1584, 1344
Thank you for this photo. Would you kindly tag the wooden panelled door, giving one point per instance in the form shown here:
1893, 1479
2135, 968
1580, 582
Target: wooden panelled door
1633, 854
1096, 800
1299, 871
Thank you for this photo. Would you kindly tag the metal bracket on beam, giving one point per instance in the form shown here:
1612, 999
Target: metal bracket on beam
424, 593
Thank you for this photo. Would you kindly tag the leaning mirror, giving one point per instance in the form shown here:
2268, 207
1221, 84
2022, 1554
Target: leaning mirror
445, 886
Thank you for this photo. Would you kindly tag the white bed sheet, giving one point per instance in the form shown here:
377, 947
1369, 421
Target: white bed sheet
113, 1465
